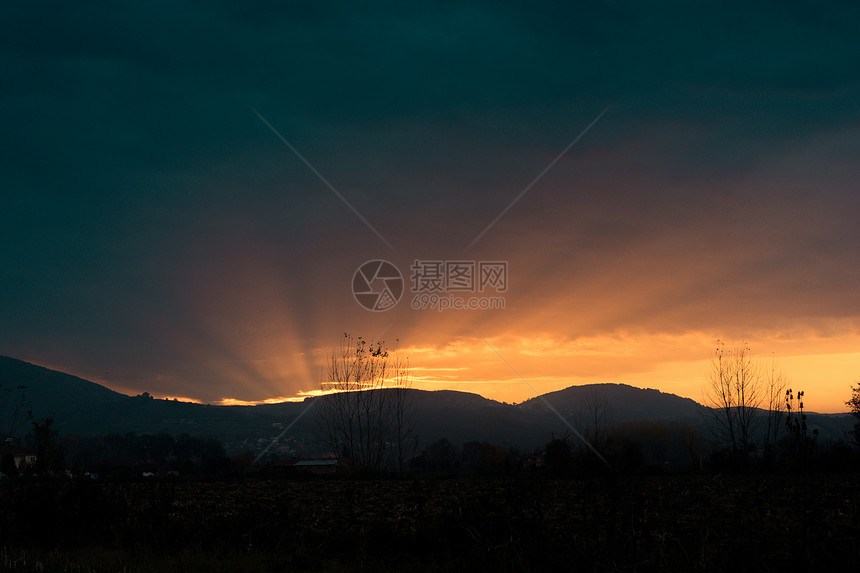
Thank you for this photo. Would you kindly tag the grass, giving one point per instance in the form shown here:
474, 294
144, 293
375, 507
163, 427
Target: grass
642, 524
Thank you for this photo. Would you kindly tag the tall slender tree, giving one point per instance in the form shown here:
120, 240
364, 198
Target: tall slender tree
366, 416
734, 394
775, 382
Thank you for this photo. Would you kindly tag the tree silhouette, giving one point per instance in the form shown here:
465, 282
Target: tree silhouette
593, 417
801, 445
49, 458
14, 410
775, 382
737, 391
437, 457
854, 404
367, 419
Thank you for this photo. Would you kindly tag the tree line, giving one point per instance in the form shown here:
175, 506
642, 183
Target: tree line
125, 455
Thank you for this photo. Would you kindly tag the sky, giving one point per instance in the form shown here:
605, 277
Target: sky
189, 189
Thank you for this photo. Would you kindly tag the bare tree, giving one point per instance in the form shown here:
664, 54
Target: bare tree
367, 419
733, 395
775, 382
14, 411
402, 413
596, 416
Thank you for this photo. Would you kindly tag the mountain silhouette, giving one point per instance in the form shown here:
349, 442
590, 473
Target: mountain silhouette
86, 408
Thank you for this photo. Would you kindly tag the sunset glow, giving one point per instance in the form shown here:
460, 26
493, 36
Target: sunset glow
186, 206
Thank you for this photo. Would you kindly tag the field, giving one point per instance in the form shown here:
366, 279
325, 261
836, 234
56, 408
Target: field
259, 524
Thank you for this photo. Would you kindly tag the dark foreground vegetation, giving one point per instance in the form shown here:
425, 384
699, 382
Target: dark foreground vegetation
262, 523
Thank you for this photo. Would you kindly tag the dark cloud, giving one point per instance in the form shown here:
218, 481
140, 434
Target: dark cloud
150, 218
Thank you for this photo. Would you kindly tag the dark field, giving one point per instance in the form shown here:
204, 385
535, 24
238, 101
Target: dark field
253, 524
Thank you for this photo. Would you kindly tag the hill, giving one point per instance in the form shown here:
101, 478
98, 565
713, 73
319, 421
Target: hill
85, 408
619, 402
71, 400
82, 407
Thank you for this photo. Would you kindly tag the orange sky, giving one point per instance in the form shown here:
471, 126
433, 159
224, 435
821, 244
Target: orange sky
643, 363
188, 219
646, 311
824, 367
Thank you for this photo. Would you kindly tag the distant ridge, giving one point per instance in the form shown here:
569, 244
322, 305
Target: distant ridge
82, 407
44, 378
625, 403
86, 408
53, 393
